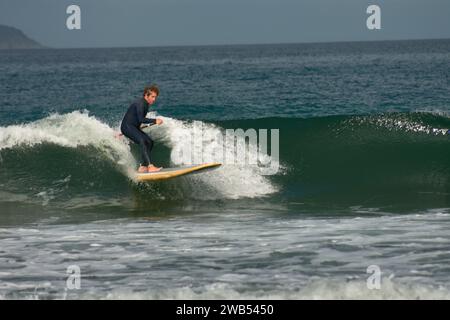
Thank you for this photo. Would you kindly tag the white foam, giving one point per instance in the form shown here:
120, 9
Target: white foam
402, 123
70, 130
230, 180
315, 290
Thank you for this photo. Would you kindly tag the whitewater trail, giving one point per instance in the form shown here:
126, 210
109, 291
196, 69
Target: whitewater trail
78, 128
231, 180
70, 130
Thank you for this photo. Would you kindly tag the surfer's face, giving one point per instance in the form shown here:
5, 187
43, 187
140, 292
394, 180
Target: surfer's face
151, 97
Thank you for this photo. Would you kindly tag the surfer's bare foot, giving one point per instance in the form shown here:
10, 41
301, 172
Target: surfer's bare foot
152, 168
143, 169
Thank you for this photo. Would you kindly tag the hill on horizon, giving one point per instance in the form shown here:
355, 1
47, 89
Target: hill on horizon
12, 38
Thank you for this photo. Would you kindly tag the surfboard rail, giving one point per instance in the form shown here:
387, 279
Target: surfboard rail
168, 173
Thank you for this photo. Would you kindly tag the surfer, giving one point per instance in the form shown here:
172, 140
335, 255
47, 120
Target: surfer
131, 126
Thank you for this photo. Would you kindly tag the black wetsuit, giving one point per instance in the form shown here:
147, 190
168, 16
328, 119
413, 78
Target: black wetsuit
131, 128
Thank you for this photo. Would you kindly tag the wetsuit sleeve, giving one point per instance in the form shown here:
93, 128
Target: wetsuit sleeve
140, 111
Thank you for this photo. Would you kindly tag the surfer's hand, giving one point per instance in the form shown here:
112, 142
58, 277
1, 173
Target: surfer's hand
159, 121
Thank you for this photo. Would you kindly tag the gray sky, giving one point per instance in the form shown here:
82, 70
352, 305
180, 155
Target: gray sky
111, 23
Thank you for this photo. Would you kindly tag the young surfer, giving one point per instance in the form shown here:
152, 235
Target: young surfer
131, 126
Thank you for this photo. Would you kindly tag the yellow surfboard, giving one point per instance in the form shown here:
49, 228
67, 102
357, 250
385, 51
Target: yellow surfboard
168, 173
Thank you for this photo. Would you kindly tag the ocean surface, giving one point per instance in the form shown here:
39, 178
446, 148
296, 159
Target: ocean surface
362, 180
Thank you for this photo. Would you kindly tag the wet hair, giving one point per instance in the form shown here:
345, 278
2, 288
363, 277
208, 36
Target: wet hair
151, 88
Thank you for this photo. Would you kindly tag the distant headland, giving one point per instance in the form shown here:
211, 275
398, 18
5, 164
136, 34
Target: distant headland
12, 38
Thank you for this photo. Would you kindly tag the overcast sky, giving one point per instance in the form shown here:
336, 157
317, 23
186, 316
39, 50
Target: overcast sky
112, 23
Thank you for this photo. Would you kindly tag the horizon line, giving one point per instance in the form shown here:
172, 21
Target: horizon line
231, 44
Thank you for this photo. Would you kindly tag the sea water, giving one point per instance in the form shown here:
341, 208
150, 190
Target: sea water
363, 179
